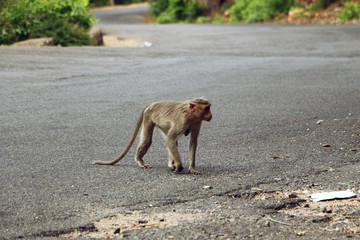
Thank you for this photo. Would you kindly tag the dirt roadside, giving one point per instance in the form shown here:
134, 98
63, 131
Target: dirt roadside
328, 15
255, 213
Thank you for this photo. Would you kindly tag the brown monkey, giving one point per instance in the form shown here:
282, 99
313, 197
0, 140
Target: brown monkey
174, 119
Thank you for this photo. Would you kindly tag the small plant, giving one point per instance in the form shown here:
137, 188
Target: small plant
203, 20
96, 3
237, 11
219, 19
320, 4
169, 11
258, 10
351, 11
192, 10
166, 18
158, 6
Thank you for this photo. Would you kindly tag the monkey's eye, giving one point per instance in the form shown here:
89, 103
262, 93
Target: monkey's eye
206, 109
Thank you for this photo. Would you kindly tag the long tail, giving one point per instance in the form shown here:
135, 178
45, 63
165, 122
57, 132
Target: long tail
128, 146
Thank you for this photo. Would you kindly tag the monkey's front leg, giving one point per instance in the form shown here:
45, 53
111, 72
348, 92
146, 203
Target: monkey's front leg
171, 162
174, 157
192, 150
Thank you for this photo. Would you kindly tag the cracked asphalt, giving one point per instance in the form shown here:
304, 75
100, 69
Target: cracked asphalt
62, 108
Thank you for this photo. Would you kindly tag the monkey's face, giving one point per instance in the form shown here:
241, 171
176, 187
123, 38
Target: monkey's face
201, 112
207, 116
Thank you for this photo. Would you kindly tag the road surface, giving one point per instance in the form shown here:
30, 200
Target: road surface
286, 109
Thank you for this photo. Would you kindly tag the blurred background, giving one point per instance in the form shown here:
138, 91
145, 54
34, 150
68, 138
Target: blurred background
69, 22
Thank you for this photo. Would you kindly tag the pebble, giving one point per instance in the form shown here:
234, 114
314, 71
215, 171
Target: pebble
293, 195
88, 227
318, 219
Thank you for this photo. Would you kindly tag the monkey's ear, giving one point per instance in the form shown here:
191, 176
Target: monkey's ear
192, 107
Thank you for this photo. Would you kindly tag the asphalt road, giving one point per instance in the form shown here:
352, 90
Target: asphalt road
62, 108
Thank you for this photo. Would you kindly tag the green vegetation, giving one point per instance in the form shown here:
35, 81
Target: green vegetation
128, 1
319, 4
249, 11
203, 19
218, 18
98, 3
351, 11
67, 21
258, 10
170, 11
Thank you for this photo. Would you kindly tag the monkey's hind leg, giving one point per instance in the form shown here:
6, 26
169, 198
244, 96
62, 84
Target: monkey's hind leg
145, 143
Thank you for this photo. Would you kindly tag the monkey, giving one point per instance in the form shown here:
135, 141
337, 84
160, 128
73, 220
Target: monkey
174, 119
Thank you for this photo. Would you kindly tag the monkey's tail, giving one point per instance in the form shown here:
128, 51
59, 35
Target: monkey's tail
128, 146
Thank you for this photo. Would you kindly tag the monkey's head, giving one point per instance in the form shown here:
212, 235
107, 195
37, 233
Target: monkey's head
201, 110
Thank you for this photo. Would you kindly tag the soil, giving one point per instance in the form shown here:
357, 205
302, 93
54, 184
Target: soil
291, 213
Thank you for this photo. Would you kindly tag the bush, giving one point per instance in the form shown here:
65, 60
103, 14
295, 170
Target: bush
166, 17
193, 10
97, 3
158, 6
351, 11
177, 9
67, 21
319, 4
258, 10
127, 1
169, 11
237, 10
63, 33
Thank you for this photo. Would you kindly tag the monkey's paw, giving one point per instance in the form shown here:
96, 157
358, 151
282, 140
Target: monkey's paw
193, 171
177, 169
145, 166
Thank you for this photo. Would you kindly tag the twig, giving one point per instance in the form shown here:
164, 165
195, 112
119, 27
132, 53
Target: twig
276, 221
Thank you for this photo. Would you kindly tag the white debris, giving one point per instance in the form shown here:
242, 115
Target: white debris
319, 122
146, 44
332, 195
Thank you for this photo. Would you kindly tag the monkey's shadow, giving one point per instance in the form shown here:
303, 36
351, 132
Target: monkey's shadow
161, 168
